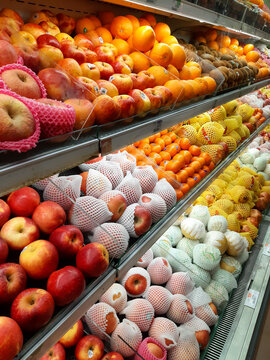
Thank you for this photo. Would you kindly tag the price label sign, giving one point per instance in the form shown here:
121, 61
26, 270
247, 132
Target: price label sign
266, 249
252, 298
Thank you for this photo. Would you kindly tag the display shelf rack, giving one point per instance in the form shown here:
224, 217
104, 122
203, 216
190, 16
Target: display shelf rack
42, 341
111, 140
139, 248
187, 10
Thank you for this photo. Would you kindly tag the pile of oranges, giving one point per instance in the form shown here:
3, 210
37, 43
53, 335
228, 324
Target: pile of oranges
173, 158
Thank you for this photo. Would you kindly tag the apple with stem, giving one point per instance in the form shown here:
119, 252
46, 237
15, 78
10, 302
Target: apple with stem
12, 281
92, 259
57, 352
68, 240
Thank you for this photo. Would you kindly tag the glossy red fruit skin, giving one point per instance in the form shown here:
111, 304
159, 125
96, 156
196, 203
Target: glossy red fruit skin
23, 202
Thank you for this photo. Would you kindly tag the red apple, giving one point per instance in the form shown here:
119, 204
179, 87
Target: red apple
214, 309
92, 259
66, 285
142, 220
189, 307
136, 284
202, 337
84, 110
123, 83
261, 204
126, 59
90, 71
19, 232
73, 335
89, 347
47, 39
39, 259
29, 55
155, 350
113, 356
127, 105
106, 70
49, 56
121, 68
142, 102
107, 88
23, 202
106, 109
56, 82
116, 203
91, 86
66, 23
6, 12
12, 281
149, 78
256, 214
67, 239
253, 221
155, 98
57, 352
266, 196
32, 309
4, 212
48, 216
139, 82
3, 251
70, 50
105, 54
167, 97
49, 27
34, 29
90, 56
8, 54
11, 338
83, 41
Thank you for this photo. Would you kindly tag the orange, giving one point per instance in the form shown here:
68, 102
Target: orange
200, 159
167, 140
233, 47
202, 173
172, 149
211, 35
143, 142
252, 56
164, 132
204, 85
160, 142
206, 157
178, 56
185, 73
206, 169
197, 178
185, 188
147, 149
195, 150
195, 165
140, 61
94, 37
182, 176
122, 46
155, 157
191, 182
174, 73
200, 39
135, 21
121, 27
152, 138
159, 172
225, 51
179, 194
192, 64
144, 38
174, 166
169, 40
155, 148
194, 72
84, 25
171, 178
213, 45
95, 20
240, 50
177, 89
172, 135
187, 156
211, 165
150, 18
211, 83
248, 48
106, 17
160, 74
130, 43
144, 22
197, 87
188, 90
234, 42
165, 155
162, 31
224, 41
161, 54
189, 170
185, 143
104, 34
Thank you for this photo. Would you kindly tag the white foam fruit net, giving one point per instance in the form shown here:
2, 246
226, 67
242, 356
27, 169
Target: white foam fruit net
164, 189
164, 331
206, 256
161, 247
131, 188
187, 347
216, 239
160, 298
141, 312
115, 296
92, 164
187, 245
236, 243
225, 278
97, 183
126, 338
180, 310
89, 212
180, 283
144, 352
206, 313
112, 171
101, 319
192, 228
197, 325
154, 204
145, 260
133, 275
146, 176
217, 223
126, 161
174, 234
63, 190
200, 276
200, 212
178, 259
40, 185
159, 270
198, 297
218, 294
231, 264
113, 236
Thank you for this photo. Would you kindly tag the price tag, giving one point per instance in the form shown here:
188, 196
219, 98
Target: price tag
252, 298
266, 249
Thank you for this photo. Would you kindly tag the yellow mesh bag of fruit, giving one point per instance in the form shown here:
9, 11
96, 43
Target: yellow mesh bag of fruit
215, 151
260, 178
231, 123
226, 196
209, 196
241, 131
231, 173
243, 209
236, 136
239, 194
196, 126
220, 183
226, 205
235, 165
247, 226
230, 141
215, 210
247, 132
189, 132
266, 189
246, 180
210, 133
201, 201
233, 222
218, 114
225, 177
248, 237
248, 170
215, 190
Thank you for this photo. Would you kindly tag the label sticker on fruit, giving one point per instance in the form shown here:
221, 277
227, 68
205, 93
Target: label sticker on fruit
266, 249
252, 298
101, 40
143, 96
111, 78
96, 89
90, 354
91, 66
103, 91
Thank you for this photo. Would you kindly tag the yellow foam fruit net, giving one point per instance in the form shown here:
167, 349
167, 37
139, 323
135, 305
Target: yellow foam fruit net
215, 151
248, 170
239, 194
209, 196
253, 231
230, 141
243, 209
248, 237
233, 222
236, 136
231, 173
226, 196
210, 133
246, 180
266, 189
261, 179
189, 132
225, 177
218, 114
241, 131
215, 210
232, 123
226, 205
247, 132
215, 190
220, 183
201, 201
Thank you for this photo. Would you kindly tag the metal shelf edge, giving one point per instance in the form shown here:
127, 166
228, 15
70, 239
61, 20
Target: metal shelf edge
158, 229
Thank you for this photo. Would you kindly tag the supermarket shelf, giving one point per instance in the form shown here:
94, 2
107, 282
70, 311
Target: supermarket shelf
112, 141
40, 343
158, 229
187, 10
17, 170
